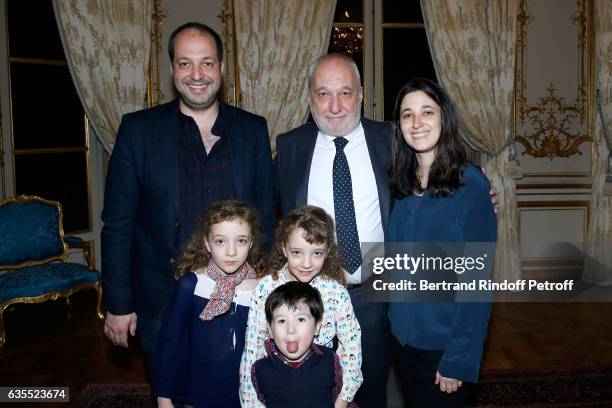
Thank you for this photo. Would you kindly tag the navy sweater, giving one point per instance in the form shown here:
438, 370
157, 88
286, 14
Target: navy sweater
310, 385
455, 327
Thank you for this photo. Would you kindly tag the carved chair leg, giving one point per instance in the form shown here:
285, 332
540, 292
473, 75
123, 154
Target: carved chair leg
99, 306
68, 307
2, 333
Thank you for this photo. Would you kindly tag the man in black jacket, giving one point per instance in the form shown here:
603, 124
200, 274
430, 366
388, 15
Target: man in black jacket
168, 164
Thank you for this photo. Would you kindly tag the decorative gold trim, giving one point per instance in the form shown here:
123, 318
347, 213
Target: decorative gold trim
348, 24
553, 204
11, 122
60, 223
556, 175
552, 120
554, 194
89, 176
50, 296
368, 105
231, 81
403, 25
155, 89
37, 61
520, 98
88, 253
551, 117
581, 20
100, 290
375, 101
552, 261
551, 186
558, 206
47, 150
551, 269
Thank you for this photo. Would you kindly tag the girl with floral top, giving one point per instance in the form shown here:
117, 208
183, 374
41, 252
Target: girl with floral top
305, 250
201, 339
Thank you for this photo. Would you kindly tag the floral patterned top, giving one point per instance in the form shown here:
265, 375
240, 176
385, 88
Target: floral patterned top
338, 320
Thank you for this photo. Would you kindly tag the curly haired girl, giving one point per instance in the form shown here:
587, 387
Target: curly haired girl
202, 334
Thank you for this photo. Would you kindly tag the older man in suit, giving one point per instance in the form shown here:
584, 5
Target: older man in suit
340, 163
168, 164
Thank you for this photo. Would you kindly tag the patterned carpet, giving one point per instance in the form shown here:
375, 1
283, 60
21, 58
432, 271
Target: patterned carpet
115, 396
558, 388
555, 388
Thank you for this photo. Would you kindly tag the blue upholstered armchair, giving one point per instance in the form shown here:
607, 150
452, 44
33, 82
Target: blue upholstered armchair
34, 263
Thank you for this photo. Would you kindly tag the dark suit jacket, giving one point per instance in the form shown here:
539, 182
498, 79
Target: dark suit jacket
140, 239
294, 157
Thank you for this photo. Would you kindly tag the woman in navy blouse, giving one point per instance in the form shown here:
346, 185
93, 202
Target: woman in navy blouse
440, 197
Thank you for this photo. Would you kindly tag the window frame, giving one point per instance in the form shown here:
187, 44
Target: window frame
8, 171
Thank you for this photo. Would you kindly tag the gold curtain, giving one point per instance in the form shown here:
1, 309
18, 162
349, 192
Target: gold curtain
598, 261
473, 47
107, 47
276, 41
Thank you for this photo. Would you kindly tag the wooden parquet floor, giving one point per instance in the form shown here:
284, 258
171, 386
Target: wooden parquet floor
547, 335
45, 347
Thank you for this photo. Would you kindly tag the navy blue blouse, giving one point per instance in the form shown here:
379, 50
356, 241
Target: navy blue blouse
458, 328
198, 362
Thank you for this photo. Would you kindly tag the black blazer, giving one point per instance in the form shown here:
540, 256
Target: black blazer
294, 157
141, 201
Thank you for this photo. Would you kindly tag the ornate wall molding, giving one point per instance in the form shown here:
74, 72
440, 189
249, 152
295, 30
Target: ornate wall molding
231, 82
524, 19
552, 119
156, 94
552, 127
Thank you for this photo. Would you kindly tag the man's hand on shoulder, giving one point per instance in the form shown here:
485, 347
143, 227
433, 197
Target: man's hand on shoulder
164, 402
116, 328
492, 193
494, 198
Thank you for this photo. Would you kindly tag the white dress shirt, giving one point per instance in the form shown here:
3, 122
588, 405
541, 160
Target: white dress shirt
365, 192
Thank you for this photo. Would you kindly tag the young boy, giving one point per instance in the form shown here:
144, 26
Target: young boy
296, 373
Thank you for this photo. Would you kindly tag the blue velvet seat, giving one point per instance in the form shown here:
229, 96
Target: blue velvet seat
34, 263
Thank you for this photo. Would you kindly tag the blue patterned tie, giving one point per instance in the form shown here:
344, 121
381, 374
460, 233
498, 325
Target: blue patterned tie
344, 209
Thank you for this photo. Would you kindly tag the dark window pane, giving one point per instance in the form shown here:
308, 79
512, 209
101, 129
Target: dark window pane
57, 176
402, 11
32, 30
348, 41
37, 122
412, 60
349, 11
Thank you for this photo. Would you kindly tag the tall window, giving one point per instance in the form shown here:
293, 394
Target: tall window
49, 127
387, 40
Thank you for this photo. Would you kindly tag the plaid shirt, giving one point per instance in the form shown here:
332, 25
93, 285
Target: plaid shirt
203, 178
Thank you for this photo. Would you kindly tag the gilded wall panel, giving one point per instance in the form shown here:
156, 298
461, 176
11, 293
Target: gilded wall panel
230, 74
552, 235
553, 87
